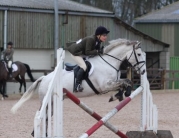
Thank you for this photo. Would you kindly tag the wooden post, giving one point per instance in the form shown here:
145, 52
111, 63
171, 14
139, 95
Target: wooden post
163, 79
173, 82
129, 73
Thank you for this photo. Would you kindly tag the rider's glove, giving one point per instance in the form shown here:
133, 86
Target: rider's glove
101, 51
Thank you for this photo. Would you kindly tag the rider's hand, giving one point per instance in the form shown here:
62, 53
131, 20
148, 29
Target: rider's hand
101, 51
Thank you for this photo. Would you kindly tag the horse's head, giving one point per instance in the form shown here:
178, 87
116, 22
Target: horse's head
136, 57
129, 50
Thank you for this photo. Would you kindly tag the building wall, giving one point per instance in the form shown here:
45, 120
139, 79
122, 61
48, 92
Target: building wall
30, 30
165, 32
168, 36
165, 60
176, 40
38, 58
1, 28
151, 29
36, 30
34, 33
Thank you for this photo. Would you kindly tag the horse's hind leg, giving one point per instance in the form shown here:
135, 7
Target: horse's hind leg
24, 82
20, 81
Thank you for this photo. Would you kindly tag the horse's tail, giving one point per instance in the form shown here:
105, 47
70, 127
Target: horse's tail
29, 73
27, 95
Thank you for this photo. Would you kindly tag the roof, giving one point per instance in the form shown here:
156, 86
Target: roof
168, 13
49, 5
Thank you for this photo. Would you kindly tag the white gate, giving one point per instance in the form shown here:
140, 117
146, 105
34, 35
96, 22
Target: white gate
54, 92
149, 112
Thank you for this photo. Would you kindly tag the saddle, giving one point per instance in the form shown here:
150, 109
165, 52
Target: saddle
75, 68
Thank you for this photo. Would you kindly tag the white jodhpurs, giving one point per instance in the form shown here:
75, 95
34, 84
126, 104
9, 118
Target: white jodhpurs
79, 60
9, 64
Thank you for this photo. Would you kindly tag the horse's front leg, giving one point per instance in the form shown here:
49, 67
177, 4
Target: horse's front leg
125, 88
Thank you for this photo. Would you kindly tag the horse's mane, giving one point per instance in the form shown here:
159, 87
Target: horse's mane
114, 43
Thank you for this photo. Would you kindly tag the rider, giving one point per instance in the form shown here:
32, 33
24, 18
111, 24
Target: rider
87, 46
8, 56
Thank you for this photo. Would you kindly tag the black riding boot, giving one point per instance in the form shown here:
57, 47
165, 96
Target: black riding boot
79, 78
10, 72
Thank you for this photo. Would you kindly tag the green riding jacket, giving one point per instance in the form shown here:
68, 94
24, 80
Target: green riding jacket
88, 46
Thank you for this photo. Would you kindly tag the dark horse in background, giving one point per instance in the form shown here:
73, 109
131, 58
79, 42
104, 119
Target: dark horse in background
18, 75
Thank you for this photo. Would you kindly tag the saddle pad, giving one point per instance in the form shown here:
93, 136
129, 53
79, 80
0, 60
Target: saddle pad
14, 67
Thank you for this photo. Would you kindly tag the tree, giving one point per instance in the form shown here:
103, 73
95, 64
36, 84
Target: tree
127, 10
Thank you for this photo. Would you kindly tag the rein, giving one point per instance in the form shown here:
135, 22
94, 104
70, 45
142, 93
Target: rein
117, 70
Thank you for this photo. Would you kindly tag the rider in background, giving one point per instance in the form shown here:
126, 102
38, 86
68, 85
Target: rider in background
88, 46
8, 56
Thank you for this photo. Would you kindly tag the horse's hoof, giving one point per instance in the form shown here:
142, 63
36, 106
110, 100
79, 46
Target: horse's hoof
128, 91
32, 134
111, 99
6, 96
120, 98
119, 95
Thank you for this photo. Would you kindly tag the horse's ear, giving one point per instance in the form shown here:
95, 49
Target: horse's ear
137, 45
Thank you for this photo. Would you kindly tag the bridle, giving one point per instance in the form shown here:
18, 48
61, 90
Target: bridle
137, 61
133, 66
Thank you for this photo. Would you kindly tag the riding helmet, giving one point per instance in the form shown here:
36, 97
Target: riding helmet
101, 30
10, 43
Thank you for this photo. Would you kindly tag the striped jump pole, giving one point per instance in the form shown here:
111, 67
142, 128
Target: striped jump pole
92, 113
111, 113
